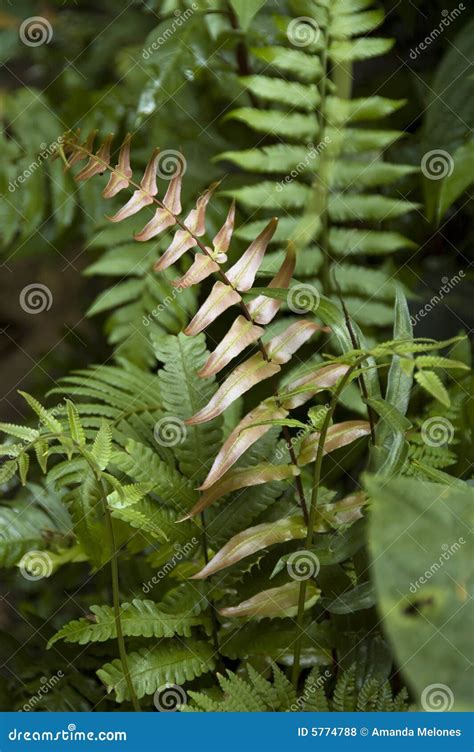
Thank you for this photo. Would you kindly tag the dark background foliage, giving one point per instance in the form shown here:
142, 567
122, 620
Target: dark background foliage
93, 74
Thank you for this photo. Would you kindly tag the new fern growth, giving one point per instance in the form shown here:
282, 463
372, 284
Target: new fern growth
139, 493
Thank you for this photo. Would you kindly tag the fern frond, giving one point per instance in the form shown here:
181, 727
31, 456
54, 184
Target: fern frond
169, 661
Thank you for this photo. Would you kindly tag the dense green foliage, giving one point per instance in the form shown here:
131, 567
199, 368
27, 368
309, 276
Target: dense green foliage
218, 517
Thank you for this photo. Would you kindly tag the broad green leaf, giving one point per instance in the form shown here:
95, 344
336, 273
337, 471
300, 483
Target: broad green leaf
419, 537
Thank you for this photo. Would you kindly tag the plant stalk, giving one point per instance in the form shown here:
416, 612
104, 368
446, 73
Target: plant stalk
223, 278
116, 605
312, 514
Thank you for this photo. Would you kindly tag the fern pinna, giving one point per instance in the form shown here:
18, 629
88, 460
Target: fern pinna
327, 177
127, 491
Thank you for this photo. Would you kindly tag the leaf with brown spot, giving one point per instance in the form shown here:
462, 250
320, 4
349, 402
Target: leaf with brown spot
339, 435
241, 334
281, 348
263, 309
326, 377
279, 602
242, 274
242, 477
219, 300
97, 163
252, 540
78, 154
251, 372
239, 440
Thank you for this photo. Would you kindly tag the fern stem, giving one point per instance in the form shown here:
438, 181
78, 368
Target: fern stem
356, 346
116, 604
321, 187
313, 510
223, 278
215, 623
241, 54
